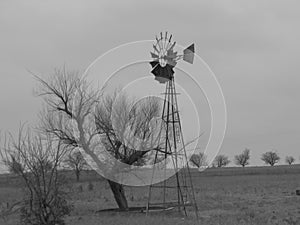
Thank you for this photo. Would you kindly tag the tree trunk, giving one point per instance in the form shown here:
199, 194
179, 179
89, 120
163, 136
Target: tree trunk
77, 175
119, 194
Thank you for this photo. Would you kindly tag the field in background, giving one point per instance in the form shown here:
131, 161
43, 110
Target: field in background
226, 196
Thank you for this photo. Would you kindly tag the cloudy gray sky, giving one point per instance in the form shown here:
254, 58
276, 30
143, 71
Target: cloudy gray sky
252, 47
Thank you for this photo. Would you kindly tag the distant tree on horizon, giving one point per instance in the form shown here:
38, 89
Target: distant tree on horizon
290, 160
198, 160
221, 161
76, 162
13, 165
243, 158
270, 158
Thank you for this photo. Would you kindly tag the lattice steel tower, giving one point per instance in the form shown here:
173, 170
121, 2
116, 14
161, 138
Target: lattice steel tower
170, 155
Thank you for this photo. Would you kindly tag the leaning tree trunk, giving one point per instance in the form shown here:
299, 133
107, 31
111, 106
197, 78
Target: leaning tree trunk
119, 194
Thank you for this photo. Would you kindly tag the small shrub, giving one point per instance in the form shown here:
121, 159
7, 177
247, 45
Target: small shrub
131, 198
36, 160
80, 188
90, 186
53, 213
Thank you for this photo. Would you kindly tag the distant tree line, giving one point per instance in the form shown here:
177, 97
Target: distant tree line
243, 159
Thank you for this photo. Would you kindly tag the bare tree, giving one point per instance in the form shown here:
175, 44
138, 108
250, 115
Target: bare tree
270, 158
36, 160
81, 117
199, 159
121, 143
76, 162
290, 160
243, 158
221, 160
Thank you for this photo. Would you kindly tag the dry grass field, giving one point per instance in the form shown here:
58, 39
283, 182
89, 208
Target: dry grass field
227, 196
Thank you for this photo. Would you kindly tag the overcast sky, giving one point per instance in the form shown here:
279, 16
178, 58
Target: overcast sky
252, 47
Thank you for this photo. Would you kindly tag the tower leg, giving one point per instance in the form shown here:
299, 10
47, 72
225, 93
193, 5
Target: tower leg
179, 186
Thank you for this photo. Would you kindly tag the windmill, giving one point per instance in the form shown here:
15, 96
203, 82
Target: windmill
176, 191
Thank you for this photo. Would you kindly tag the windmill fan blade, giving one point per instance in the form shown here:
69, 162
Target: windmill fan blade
172, 62
154, 63
155, 48
163, 72
173, 45
169, 70
158, 71
170, 38
188, 54
156, 39
153, 55
171, 57
161, 80
171, 54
